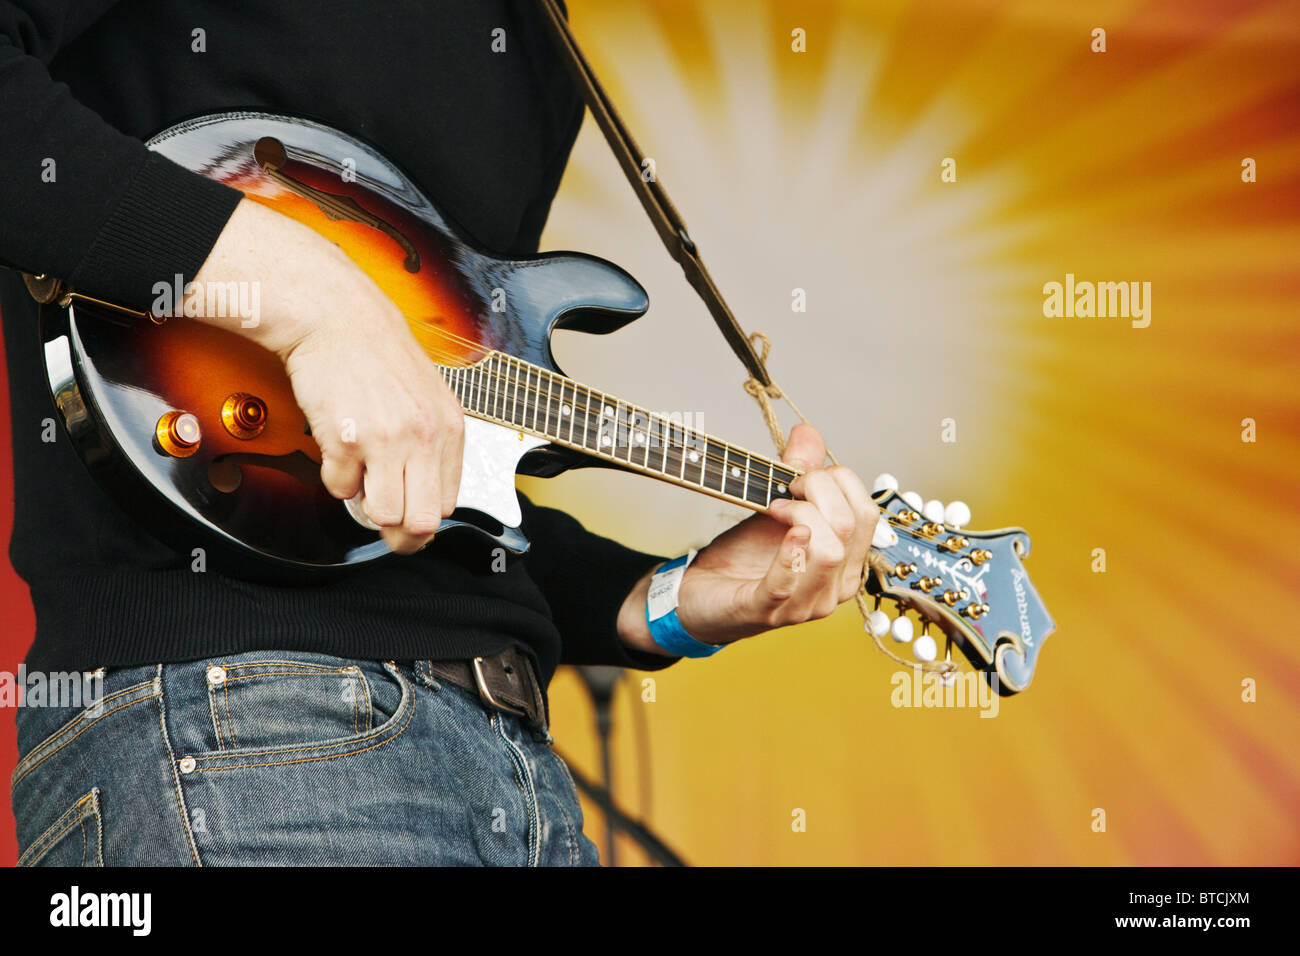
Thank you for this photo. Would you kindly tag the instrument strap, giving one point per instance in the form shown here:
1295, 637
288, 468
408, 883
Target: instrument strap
663, 214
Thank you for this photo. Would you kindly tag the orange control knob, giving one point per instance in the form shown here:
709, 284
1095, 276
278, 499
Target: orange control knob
179, 434
244, 415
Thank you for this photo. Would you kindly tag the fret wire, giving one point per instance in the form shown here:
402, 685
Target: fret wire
573, 414
667, 441
550, 381
631, 443
481, 387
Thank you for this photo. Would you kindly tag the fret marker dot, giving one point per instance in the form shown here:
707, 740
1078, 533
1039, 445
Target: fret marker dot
606, 440
694, 456
640, 438
735, 472
608, 410
780, 489
565, 410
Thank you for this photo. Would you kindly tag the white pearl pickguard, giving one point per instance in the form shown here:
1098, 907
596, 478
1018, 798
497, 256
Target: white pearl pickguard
487, 474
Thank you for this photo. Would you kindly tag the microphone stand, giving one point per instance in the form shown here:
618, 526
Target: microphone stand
601, 683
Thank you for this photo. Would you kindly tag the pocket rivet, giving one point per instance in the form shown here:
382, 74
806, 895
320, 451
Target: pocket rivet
216, 675
188, 764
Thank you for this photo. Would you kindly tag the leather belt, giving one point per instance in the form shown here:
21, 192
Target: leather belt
505, 681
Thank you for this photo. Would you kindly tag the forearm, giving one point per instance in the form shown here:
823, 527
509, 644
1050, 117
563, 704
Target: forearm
633, 630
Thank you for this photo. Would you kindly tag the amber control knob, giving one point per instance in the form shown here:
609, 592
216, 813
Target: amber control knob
244, 415
179, 434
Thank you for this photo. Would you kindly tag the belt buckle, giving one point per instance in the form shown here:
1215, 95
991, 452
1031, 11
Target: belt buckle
480, 680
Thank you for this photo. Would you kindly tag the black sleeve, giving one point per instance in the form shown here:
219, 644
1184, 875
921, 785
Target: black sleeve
80, 201
585, 579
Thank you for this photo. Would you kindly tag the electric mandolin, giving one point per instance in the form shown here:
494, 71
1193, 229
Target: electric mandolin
194, 429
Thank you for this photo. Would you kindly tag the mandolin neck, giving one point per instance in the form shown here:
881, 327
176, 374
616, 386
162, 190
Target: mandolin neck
511, 392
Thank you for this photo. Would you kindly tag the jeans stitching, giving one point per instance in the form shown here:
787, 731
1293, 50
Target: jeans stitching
181, 808
386, 731
47, 840
570, 823
87, 724
73, 723
530, 792
214, 711
230, 720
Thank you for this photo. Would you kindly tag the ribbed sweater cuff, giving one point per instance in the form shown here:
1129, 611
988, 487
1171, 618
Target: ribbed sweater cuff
165, 223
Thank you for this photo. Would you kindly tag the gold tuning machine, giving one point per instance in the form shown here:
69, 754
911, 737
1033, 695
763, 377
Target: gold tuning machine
903, 570
928, 584
975, 611
952, 597
980, 555
955, 544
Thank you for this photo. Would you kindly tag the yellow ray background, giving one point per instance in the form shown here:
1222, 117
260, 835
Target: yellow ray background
820, 171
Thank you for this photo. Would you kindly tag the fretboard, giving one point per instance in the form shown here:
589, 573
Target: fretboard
503, 389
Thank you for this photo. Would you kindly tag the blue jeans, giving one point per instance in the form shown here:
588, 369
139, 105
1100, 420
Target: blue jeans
288, 758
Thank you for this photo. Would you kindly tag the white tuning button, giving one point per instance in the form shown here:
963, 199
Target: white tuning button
902, 630
914, 501
925, 649
933, 511
883, 536
878, 623
885, 482
956, 515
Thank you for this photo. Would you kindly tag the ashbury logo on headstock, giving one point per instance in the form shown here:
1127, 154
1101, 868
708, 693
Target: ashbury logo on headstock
1022, 605
971, 585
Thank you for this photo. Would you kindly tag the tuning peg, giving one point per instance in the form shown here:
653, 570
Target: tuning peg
885, 482
915, 501
901, 630
877, 624
884, 536
924, 648
957, 514
933, 511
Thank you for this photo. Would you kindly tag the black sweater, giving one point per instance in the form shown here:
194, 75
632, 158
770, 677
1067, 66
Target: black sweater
485, 134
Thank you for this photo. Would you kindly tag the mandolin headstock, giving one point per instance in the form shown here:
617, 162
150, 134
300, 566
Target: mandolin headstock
970, 585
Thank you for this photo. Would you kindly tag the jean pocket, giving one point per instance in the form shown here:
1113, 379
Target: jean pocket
75, 839
281, 701
279, 712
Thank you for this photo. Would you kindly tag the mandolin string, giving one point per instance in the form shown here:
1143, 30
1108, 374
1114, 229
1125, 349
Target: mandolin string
524, 389
545, 404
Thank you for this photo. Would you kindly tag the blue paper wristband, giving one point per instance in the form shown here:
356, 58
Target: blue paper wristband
667, 629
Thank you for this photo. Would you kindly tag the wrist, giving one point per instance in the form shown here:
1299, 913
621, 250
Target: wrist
661, 612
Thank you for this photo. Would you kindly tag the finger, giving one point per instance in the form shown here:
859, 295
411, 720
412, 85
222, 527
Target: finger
340, 474
421, 513
450, 460
806, 449
383, 486
821, 488
781, 581
817, 588
868, 515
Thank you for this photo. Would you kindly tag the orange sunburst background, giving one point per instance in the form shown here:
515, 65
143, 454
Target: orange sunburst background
821, 171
